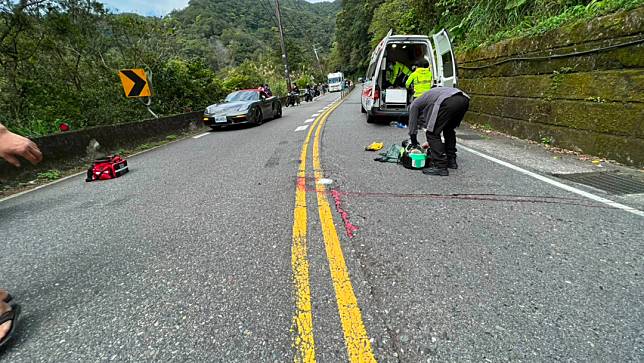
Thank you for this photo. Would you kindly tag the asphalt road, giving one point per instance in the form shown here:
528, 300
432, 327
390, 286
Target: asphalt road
192, 256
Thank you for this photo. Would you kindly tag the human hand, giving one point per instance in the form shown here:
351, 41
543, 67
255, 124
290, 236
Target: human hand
12, 146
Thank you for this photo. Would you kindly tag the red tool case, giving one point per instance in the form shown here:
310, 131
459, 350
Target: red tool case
107, 168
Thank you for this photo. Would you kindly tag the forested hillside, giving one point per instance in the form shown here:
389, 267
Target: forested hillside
59, 58
247, 29
362, 23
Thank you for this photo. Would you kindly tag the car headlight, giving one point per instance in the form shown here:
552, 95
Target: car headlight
242, 108
210, 109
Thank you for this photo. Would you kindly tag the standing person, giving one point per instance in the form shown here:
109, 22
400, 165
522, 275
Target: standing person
267, 90
439, 110
12, 146
420, 79
296, 94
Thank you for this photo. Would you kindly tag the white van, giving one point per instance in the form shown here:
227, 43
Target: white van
335, 81
379, 99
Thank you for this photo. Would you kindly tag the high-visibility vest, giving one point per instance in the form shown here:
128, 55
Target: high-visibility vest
422, 81
397, 69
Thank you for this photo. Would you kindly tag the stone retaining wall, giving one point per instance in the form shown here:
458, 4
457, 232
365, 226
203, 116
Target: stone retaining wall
591, 102
70, 146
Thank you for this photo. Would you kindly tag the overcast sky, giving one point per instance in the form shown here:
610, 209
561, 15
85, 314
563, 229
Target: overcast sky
154, 7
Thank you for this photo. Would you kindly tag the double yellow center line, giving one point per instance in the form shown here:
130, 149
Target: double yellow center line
355, 335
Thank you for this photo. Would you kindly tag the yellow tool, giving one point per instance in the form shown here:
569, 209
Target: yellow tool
375, 146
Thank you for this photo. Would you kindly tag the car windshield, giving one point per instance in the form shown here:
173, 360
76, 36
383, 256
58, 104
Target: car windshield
335, 80
243, 96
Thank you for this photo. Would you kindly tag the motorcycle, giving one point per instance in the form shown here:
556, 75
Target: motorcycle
293, 99
309, 95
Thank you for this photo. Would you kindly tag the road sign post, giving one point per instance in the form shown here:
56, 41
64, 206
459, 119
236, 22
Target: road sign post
136, 85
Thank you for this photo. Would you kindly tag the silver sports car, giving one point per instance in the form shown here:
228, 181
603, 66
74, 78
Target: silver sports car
241, 107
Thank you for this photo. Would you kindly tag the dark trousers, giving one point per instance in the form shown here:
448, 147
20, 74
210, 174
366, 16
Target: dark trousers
450, 115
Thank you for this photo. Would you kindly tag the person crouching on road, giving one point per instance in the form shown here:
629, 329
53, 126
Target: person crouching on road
439, 110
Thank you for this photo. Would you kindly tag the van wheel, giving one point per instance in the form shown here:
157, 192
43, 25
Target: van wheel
370, 119
362, 109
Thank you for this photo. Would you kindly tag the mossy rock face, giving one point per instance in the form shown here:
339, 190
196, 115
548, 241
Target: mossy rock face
615, 86
593, 103
628, 150
619, 58
608, 118
616, 25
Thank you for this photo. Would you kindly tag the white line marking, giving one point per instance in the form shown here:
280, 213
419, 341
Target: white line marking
322, 110
309, 120
42, 186
16, 195
301, 128
556, 183
315, 115
201, 135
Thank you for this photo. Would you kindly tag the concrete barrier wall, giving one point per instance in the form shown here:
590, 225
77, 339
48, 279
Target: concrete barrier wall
72, 146
591, 100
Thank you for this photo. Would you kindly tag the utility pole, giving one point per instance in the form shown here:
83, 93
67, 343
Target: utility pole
315, 50
278, 14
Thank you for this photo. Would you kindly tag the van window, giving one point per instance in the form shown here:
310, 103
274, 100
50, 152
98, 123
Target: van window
448, 66
370, 71
409, 54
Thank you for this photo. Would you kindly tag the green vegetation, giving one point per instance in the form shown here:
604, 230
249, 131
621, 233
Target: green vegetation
472, 23
60, 58
50, 175
546, 140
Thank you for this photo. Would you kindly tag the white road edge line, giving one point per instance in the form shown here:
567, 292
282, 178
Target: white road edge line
16, 195
556, 183
315, 115
309, 120
301, 128
201, 135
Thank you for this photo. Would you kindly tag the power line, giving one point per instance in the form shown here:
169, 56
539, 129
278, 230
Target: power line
284, 53
269, 10
555, 56
302, 33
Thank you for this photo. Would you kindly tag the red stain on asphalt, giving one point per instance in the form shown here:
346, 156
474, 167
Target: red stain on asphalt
301, 183
351, 228
348, 226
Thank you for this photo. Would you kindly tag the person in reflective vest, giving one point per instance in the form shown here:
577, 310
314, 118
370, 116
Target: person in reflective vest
396, 70
420, 79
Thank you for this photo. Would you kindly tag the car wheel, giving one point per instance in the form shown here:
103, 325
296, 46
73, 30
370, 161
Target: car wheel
277, 111
371, 118
255, 116
362, 109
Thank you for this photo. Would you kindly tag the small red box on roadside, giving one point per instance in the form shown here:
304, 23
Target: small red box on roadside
107, 168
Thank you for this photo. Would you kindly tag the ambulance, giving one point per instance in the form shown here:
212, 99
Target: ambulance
383, 100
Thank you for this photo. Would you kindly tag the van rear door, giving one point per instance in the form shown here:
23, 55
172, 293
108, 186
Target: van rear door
445, 61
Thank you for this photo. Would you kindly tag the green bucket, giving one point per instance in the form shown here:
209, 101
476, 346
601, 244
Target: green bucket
418, 160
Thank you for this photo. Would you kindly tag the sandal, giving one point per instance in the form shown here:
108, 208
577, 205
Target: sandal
12, 316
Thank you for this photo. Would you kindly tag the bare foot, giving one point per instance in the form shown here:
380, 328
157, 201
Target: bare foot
4, 328
3, 294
